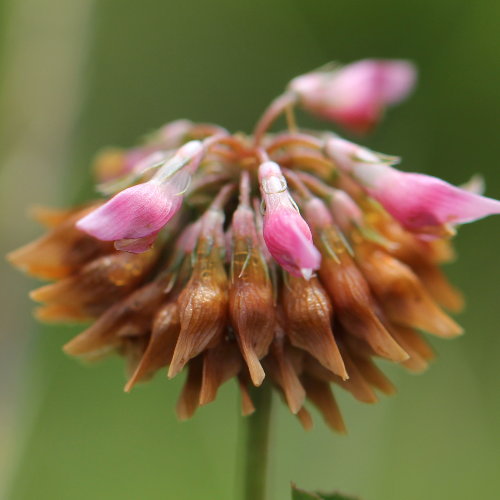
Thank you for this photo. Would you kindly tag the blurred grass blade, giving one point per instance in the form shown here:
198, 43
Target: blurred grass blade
299, 494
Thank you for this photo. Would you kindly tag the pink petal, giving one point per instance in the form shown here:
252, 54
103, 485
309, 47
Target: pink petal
421, 201
172, 134
289, 241
136, 212
357, 94
286, 234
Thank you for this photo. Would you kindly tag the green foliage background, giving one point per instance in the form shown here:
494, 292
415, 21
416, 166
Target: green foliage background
73, 434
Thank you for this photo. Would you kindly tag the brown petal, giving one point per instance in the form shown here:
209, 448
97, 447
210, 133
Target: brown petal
282, 368
408, 248
202, 307
352, 300
308, 313
320, 394
97, 286
423, 258
373, 375
401, 295
305, 419
357, 384
161, 344
251, 306
138, 308
189, 398
438, 286
247, 406
220, 364
62, 251
418, 349
133, 350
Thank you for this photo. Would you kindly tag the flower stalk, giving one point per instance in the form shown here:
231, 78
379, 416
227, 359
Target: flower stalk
258, 429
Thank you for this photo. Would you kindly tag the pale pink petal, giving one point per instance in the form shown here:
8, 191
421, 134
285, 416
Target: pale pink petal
317, 214
243, 224
345, 211
173, 134
286, 234
136, 212
356, 95
397, 81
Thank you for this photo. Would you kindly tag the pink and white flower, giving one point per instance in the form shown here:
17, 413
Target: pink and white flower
421, 203
134, 216
287, 235
356, 95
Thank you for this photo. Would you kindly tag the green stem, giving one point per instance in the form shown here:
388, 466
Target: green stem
257, 445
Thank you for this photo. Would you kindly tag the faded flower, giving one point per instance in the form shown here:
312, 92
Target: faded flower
294, 259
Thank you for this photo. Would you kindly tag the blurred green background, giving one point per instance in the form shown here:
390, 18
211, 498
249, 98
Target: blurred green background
77, 75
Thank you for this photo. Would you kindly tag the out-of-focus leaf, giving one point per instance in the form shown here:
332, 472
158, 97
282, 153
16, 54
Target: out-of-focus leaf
299, 494
335, 496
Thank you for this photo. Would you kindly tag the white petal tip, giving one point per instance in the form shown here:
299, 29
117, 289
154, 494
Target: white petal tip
306, 273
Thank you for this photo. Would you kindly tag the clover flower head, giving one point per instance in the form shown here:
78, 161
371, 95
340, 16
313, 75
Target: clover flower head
293, 259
